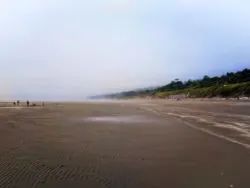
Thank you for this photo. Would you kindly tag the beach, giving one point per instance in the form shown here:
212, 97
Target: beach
132, 144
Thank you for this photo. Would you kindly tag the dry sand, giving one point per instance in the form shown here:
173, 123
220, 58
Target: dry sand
83, 145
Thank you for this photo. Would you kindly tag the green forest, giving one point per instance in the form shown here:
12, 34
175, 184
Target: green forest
231, 84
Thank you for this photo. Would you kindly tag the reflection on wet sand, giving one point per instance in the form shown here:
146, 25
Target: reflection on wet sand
119, 119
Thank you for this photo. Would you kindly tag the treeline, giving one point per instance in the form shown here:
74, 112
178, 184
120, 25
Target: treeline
206, 81
230, 84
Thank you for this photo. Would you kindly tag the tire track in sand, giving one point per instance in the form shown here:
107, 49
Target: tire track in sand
246, 146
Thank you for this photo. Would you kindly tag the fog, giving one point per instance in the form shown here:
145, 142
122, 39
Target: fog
68, 50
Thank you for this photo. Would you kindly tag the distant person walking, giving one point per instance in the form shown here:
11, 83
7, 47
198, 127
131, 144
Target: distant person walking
18, 102
28, 103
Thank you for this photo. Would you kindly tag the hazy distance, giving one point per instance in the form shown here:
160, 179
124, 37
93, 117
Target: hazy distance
67, 50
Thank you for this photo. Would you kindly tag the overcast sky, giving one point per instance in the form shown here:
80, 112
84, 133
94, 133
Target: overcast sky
69, 49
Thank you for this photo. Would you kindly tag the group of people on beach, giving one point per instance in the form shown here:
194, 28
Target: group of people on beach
17, 103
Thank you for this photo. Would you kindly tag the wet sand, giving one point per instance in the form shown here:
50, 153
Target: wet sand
99, 145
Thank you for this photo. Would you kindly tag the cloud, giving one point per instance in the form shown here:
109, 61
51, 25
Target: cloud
76, 48
120, 6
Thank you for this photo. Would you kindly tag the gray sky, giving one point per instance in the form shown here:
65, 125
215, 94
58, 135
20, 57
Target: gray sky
69, 49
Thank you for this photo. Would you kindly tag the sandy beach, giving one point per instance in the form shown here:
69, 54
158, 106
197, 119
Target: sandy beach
126, 144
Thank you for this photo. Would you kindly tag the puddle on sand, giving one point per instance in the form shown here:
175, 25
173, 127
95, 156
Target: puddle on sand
119, 119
